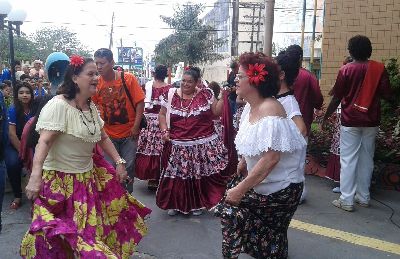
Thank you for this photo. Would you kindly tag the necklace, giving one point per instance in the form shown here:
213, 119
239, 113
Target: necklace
110, 88
84, 119
186, 109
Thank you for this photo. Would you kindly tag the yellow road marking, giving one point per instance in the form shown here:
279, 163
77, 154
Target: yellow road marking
347, 237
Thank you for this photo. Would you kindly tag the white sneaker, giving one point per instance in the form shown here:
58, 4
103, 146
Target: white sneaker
172, 212
336, 190
197, 212
361, 203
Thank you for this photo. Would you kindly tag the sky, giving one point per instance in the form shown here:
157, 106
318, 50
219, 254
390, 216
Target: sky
136, 21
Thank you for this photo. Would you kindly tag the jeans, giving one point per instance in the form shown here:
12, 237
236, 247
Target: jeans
3, 171
126, 148
14, 170
357, 147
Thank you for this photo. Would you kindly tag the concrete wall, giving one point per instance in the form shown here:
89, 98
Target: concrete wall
378, 20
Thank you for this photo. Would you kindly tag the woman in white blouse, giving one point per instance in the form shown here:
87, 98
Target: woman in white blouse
262, 199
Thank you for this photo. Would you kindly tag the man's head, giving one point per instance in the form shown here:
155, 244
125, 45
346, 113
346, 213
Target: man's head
17, 65
234, 66
6, 89
360, 48
37, 64
104, 61
296, 52
26, 69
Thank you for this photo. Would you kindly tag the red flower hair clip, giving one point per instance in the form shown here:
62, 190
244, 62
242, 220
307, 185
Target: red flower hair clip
256, 73
76, 61
187, 68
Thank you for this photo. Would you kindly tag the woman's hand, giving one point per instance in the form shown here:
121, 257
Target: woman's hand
234, 196
165, 136
122, 175
241, 168
33, 188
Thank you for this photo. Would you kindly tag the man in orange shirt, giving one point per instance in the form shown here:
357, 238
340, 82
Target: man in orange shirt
122, 120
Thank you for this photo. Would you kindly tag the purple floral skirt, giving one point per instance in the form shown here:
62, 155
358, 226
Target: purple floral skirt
87, 215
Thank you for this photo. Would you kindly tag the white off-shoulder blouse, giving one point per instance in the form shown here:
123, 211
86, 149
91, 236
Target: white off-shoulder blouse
72, 150
272, 133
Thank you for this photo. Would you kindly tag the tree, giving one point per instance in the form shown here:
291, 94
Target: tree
24, 48
192, 42
49, 40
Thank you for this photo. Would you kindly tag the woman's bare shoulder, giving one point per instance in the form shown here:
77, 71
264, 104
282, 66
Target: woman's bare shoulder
272, 107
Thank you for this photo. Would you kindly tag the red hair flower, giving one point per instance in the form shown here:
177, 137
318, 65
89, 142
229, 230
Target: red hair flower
256, 73
76, 61
187, 68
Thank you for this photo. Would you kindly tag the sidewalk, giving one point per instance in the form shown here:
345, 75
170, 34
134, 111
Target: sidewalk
200, 237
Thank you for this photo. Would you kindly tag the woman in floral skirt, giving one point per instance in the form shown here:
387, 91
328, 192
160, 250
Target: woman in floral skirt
261, 200
195, 157
150, 143
80, 209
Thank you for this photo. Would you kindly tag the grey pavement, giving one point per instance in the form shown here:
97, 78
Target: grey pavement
185, 237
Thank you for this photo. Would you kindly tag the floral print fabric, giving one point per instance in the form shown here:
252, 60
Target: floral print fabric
258, 226
87, 215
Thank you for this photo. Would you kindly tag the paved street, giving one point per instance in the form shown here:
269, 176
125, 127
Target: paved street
318, 231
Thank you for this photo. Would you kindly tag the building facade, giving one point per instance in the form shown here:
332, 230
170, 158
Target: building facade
378, 20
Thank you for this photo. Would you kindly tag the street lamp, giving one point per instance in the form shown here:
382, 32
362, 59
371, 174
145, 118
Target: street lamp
15, 19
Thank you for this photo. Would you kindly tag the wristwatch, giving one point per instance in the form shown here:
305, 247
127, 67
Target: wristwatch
120, 161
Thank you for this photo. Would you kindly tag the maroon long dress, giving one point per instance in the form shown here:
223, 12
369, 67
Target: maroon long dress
194, 176
150, 144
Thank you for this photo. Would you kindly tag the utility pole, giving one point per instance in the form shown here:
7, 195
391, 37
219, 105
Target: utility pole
268, 26
258, 26
303, 23
112, 31
235, 29
252, 28
313, 35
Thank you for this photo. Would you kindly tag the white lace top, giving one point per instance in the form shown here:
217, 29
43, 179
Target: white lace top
291, 106
71, 151
272, 133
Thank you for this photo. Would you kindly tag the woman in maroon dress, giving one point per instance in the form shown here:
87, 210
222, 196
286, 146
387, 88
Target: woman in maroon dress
193, 176
150, 143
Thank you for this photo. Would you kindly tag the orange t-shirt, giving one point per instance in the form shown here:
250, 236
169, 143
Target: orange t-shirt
115, 108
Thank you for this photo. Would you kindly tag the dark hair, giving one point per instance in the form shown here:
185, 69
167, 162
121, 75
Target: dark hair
269, 87
37, 106
104, 53
296, 52
8, 82
68, 88
288, 64
161, 72
215, 87
193, 72
360, 47
24, 76
234, 65
19, 109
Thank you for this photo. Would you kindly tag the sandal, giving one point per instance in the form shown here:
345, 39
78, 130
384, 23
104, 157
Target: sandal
15, 204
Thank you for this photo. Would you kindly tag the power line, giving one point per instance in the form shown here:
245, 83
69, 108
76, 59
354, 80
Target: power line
147, 27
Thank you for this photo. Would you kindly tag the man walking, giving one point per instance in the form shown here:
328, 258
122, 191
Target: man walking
121, 104
359, 87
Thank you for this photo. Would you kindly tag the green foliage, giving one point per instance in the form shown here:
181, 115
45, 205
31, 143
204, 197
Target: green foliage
24, 49
41, 44
192, 42
49, 40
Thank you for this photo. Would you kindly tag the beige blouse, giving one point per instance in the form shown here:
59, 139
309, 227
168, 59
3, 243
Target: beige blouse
72, 150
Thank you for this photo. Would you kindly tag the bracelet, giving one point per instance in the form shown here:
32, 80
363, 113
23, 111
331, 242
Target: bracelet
120, 161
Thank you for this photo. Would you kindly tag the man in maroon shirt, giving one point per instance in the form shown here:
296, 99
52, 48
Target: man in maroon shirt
306, 89
358, 127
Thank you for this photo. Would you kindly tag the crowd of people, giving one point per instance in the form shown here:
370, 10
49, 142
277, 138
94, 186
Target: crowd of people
83, 147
